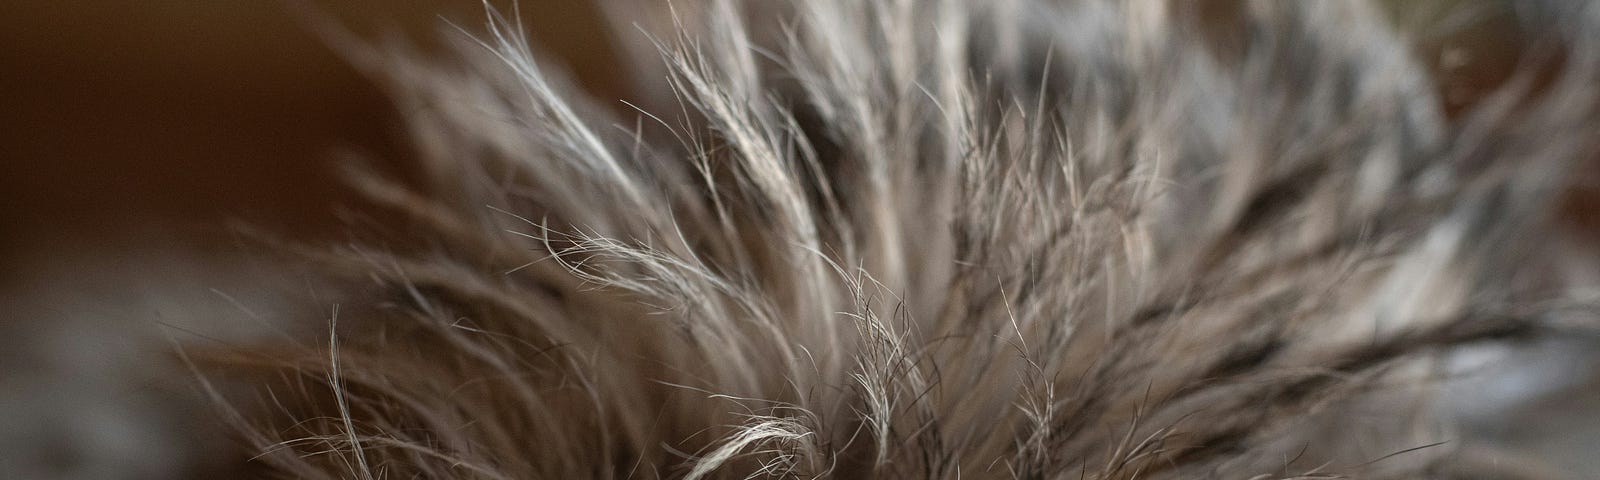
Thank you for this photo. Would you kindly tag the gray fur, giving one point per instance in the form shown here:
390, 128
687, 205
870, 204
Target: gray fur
945, 239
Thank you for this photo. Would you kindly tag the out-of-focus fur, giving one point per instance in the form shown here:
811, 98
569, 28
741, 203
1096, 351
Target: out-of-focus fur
948, 239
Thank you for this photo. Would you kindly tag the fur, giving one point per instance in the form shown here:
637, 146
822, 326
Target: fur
946, 239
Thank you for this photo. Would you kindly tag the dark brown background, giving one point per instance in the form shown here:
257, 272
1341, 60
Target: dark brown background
155, 121
131, 134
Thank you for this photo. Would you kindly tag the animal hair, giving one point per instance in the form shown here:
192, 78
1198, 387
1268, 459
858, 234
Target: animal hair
947, 239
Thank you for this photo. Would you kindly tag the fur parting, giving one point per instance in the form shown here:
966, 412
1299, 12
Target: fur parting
941, 239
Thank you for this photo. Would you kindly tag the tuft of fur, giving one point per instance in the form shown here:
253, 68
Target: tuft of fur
945, 239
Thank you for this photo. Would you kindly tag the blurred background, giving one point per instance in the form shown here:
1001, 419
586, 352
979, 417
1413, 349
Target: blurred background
132, 133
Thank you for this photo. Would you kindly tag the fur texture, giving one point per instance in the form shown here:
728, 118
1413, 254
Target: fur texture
946, 239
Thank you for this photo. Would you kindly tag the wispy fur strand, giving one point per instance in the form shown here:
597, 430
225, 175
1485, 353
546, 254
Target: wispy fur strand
944, 239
